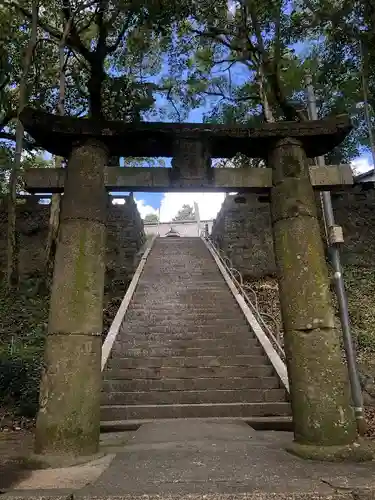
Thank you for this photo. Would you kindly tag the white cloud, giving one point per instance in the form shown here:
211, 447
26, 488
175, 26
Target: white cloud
209, 204
144, 209
361, 165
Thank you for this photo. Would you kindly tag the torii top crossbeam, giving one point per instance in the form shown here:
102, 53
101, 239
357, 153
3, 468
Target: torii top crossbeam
57, 134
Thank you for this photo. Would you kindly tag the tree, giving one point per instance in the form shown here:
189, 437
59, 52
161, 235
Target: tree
151, 219
185, 213
103, 52
257, 39
117, 45
248, 33
12, 271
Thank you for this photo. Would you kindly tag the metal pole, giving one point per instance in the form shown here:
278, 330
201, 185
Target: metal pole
334, 238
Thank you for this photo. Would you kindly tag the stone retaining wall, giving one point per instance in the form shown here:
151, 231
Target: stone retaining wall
243, 230
125, 237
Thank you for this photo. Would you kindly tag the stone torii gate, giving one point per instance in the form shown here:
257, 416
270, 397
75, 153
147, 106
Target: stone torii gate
69, 417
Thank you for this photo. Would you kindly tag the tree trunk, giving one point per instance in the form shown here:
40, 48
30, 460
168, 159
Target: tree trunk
12, 265
95, 85
54, 217
268, 115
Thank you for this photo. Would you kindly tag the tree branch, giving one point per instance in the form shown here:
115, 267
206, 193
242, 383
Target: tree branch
7, 136
120, 36
217, 38
73, 39
233, 99
101, 48
55, 33
170, 99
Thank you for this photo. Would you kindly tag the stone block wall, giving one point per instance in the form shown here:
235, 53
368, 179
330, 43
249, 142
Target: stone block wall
243, 230
125, 238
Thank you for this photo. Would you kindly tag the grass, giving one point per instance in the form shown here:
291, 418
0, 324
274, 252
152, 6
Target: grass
23, 326
360, 285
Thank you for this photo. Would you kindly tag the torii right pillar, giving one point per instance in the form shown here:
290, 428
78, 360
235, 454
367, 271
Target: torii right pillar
324, 423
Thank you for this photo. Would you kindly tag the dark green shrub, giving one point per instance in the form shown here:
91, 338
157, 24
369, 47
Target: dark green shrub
20, 368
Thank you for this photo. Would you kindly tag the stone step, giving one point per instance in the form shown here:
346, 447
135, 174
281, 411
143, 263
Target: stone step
194, 384
135, 352
202, 330
145, 334
175, 298
176, 322
168, 309
154, 316
175, 290
245, 344
193, 372
273, 423
145, 320
186, 361
193, 397
122, 412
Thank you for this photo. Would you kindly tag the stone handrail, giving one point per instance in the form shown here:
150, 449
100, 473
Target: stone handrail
117, 322
254, 316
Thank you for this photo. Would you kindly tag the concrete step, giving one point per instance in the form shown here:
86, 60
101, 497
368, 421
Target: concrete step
122, 412
194, 372
245, 344
165, 351
194, 384
186, 361
193, 397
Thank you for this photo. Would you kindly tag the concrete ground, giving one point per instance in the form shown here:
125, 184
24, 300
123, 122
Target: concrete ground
193, 459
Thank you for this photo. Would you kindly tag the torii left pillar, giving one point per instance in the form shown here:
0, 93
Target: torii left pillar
68, 421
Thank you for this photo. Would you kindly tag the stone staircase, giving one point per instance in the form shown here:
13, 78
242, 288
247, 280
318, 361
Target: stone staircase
185, 348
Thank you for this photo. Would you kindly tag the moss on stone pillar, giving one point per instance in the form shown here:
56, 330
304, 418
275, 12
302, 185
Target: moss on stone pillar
318, 378
68, 422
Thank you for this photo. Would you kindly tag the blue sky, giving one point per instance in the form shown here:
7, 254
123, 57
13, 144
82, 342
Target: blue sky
209, 204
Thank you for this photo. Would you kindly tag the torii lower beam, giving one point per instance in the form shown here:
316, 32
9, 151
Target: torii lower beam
257, 180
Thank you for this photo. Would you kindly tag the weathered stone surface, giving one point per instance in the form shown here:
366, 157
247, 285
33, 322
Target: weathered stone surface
79, 309
257, 180
318, 379
125, 237
183, 304
356, 452
57, 134
68, 420
221, 459
69, 416
303, 277
319, 387
243, 231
